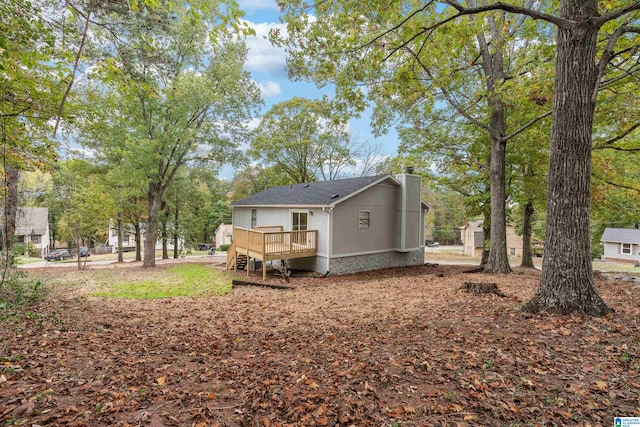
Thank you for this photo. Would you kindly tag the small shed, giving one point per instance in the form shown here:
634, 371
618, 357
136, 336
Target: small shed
621, 244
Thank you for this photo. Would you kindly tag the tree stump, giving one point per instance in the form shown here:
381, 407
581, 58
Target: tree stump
481, 288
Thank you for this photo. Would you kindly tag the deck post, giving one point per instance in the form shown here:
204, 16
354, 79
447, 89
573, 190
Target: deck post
248, 267
264, 262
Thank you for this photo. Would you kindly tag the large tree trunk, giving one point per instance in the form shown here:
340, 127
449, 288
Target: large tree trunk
120, 237
138, 238
527, 258
11, 178
165, 237
567, 283
492, 60
486, 232
154, 197
175, 231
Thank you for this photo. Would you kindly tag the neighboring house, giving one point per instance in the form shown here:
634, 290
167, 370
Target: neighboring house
224, 234
129, 239
621, 244
32, 225
334, 227
473, 240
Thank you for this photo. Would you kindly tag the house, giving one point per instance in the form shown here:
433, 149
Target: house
334, 227
224, 234
472, 237
621, 244
32, 225
129, 239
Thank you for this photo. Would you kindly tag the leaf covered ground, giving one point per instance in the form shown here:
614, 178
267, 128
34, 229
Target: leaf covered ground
399, 347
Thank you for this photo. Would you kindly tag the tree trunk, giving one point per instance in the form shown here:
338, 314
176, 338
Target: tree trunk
567, 283
527, 258
12, 176
498, 262
154, 197
486, 232
175, 231
120, 237
165, 252
138, 238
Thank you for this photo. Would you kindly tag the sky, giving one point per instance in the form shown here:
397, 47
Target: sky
267, 67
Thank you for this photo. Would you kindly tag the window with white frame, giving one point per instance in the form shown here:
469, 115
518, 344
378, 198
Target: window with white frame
254, 218
364, 219
35, 238
626, 248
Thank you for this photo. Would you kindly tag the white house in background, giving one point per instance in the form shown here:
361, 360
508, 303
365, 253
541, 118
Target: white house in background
472, 237
621, 244
224, 234
32, 225
129, 239
334, 227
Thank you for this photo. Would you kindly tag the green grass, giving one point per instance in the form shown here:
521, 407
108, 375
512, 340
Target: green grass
184, 280
30, 260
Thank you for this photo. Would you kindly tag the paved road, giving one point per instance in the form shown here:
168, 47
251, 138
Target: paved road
218, 257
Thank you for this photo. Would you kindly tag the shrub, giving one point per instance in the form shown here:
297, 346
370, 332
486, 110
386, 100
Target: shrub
224, 247
17, 290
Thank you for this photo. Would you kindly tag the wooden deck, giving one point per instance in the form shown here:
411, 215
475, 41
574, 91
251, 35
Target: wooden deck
267, 243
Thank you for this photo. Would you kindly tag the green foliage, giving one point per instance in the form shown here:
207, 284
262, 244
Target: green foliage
17, 290
181, 280
305, 139
224, 247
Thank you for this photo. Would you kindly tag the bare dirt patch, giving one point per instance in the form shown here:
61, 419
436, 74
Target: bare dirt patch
383, 348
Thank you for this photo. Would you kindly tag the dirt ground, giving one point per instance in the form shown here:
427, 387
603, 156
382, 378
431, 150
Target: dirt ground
399, 347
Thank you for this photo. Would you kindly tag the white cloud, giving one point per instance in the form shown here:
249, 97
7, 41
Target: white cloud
262, 56
270, 89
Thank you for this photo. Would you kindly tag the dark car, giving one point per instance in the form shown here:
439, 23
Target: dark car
58, 255
84, 251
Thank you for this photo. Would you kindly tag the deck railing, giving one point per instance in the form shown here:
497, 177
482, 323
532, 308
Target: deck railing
272, 244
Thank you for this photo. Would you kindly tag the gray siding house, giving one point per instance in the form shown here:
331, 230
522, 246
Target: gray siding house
621, 244
358, 224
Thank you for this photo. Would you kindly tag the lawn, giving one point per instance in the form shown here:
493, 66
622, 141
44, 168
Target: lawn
398, 347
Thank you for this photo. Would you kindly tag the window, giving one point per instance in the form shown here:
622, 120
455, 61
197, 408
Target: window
254, 218
299, 221
512, 251
364, 219
20, 239
626, 248
125, 239
35, 238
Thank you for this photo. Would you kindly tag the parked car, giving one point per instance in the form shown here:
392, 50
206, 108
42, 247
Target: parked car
58, 255
84, 251
433, 244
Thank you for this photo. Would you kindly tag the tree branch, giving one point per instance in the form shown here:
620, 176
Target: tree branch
617, 13
75, 69
526, 126
606, 181
555, 20
609, 53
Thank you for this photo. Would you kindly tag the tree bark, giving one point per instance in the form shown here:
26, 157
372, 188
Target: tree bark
154, 197
175, 230
493, 65
165, 252
486, 232
138, 238
120, 237
12, 176
527, 258
567, 283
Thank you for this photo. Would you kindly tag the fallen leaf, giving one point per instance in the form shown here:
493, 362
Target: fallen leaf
161, 380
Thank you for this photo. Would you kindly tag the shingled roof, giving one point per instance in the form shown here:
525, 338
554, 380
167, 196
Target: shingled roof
323, 193
31, 221
621, 235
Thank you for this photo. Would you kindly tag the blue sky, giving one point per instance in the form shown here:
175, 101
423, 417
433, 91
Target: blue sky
267, 67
